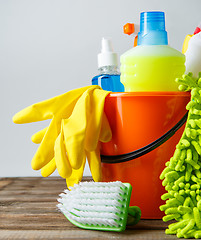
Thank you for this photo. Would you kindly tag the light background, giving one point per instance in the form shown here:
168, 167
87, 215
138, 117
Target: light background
48, 47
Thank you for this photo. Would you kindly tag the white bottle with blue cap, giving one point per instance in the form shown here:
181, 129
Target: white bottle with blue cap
152, 65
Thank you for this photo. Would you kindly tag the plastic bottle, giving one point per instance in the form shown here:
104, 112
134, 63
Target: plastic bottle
152, 65
109, 76
193, 55
188, 37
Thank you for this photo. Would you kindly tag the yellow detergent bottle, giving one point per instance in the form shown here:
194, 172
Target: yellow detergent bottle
152, 65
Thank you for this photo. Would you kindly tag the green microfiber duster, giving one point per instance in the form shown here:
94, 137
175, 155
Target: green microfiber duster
182, 174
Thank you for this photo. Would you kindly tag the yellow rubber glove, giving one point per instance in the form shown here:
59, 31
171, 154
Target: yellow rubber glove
56, 109
93, 157
78, 124
81, 134
49, 168
82, 138
74, 129
38, 137
95, 164
76, 175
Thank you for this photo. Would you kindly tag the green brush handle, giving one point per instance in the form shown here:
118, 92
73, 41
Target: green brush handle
134, 215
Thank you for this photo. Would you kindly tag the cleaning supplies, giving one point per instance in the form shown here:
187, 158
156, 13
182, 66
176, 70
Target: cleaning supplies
109, 76
182, 176
142, 118
193, 55
78, 125
99, 206
152, 65
140, 121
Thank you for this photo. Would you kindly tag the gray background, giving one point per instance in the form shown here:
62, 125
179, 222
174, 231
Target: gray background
48, 47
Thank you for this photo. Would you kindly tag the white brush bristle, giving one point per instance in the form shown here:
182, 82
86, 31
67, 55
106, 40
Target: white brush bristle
93, 203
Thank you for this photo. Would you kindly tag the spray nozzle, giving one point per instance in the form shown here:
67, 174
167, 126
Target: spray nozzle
106, 45
198, 29
107, 57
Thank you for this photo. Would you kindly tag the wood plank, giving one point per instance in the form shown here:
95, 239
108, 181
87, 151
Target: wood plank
33, 191
28, 211
28, 198
31, 207
5, 182
55, 220
85, 235
35, 222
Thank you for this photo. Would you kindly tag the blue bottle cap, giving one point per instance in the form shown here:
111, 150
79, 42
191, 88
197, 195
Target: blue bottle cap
152, 29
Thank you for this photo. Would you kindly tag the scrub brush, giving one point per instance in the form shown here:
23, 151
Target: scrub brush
99, 206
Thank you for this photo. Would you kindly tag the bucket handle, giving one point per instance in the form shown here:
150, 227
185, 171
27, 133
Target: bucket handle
144, 150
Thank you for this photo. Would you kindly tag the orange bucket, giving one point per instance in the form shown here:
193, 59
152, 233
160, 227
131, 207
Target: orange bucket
146, 126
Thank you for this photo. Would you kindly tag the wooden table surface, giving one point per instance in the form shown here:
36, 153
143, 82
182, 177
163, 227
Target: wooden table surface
28, 211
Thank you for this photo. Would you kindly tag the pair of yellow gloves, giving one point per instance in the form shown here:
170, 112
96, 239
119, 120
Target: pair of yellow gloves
77, 127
